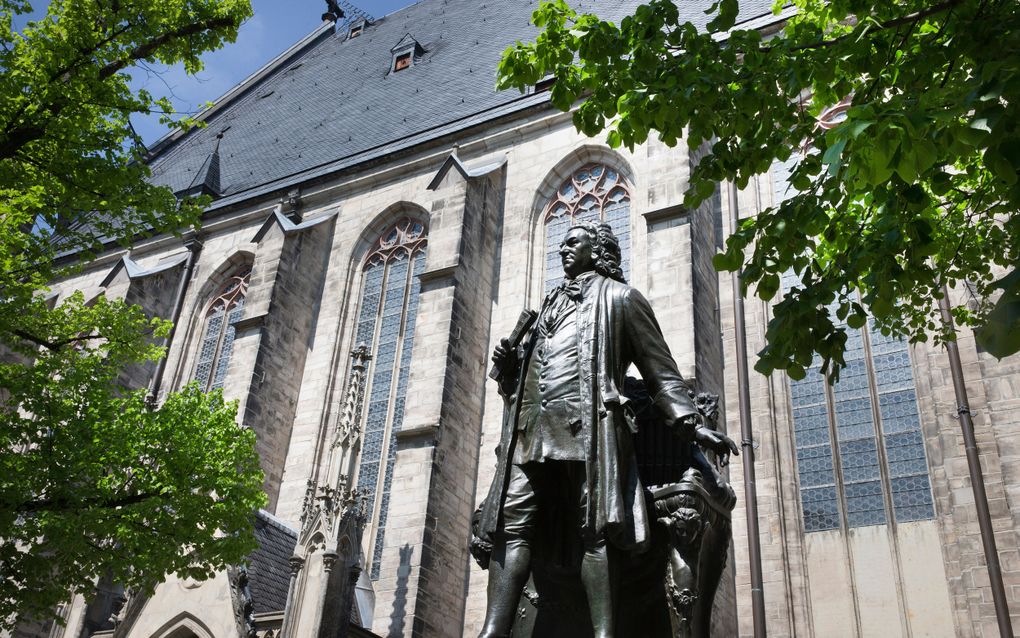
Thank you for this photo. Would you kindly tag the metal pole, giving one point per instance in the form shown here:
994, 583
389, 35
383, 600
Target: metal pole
747, 442
977, 480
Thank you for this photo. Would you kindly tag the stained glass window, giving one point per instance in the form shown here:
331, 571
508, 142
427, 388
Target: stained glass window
901, 425
218, 339
879, 452
860, 452
814, 451
594, 193
386, 320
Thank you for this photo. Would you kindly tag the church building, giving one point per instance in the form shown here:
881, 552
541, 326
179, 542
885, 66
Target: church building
380, 216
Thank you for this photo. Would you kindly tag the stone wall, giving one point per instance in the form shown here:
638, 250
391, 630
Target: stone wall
990, 386
787, 604
796, 582
709, 364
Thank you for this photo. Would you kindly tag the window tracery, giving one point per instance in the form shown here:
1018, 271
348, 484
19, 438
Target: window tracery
218, 337
594, 193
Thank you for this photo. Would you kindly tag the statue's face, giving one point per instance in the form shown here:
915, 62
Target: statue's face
575, 253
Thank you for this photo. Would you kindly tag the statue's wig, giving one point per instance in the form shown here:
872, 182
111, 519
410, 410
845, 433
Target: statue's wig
605, 249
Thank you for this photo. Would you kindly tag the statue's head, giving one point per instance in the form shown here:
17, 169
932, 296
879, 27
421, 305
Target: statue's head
590, 246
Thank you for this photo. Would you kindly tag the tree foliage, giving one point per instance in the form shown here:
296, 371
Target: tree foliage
917, 187
93, 480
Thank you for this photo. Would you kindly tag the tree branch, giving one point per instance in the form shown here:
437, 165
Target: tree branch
65, 504
145, 50
17, 137
882, 26
53, 346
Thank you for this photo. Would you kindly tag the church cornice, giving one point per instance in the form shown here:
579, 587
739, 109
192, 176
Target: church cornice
134, 271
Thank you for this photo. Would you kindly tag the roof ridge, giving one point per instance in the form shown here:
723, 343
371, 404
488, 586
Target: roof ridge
276, 522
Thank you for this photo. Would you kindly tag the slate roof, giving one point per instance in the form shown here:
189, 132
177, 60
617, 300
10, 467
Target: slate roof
268, 566
333, 102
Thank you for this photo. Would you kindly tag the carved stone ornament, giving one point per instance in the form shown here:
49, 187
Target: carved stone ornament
348, 429
244, 607
327, 509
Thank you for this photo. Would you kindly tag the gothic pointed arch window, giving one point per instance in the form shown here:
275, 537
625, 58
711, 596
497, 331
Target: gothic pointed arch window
596, 193
222, 314
860, 446
386, 320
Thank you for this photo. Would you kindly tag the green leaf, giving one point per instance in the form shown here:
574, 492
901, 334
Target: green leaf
856, 127
1000, 166
727, 16
768, 286
833, 153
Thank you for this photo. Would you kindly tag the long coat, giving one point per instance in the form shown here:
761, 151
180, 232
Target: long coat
616, 327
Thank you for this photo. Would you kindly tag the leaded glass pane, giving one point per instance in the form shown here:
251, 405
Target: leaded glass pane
227, 347
617, 215
365, 332
207, 352
398, 405
852, 408
855, 430
821, 510
901, 426
814, 452
382, 376
912, 499
865, 503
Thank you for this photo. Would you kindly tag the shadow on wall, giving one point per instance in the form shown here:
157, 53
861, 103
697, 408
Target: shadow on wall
400, 595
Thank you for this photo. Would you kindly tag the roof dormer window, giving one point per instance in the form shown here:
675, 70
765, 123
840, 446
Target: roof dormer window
405, 53
357, 28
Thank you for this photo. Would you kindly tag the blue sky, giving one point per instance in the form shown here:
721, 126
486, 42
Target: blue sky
276, 25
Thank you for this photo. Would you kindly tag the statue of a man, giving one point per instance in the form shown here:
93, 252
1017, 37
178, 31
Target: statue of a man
566, 449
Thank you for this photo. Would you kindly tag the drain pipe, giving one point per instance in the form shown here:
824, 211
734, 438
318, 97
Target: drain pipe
977, 480
194, 246
746, 439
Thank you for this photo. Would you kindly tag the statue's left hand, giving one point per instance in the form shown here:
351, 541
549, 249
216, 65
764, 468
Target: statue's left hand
722, 445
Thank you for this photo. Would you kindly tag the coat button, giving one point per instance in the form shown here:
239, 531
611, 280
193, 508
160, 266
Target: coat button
545, 402
541, 387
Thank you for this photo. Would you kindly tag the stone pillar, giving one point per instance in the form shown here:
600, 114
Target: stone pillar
272, 337
333, 518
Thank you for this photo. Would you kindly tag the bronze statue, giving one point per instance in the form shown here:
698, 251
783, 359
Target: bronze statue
567, 503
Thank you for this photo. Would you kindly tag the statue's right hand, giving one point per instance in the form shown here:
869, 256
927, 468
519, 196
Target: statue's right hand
501, 355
